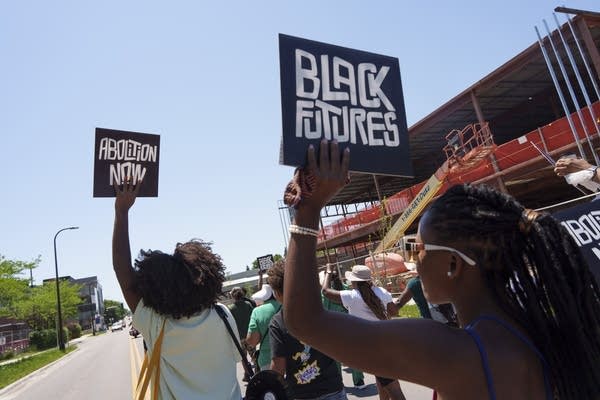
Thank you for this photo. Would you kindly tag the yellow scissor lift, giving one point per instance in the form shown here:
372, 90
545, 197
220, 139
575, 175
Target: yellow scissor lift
465, 149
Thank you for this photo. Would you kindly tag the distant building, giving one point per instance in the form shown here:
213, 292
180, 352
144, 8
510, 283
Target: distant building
91, 308
14, 335
245, 279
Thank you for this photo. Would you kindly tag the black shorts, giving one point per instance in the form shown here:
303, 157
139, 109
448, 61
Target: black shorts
383, 381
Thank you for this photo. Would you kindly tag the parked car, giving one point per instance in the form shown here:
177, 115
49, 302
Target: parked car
117, 326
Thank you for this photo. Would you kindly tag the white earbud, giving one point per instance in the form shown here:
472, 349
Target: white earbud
449, 273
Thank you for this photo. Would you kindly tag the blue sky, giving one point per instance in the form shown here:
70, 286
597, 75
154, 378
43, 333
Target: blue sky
205, 76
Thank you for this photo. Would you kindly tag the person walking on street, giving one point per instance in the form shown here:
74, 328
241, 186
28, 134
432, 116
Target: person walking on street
365, 300
173, 298
527, 303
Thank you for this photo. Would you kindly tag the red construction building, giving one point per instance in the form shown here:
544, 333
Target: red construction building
519, 104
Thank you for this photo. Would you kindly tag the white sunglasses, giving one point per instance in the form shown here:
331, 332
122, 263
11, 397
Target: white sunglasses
432, 247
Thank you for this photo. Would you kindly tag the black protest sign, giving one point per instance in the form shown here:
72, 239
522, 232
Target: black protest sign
352, 96
583, 223
265, 262
119, 155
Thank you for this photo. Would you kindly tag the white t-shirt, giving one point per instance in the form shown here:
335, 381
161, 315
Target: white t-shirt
352, 300
198, 357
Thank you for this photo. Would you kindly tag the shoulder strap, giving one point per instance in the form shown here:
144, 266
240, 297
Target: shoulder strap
149, 368
484, 361
245, 363
263, 336
527, 342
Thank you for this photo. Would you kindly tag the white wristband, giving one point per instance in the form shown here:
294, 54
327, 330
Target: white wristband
301, 230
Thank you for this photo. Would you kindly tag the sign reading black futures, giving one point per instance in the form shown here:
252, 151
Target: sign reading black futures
348, 95
121, 154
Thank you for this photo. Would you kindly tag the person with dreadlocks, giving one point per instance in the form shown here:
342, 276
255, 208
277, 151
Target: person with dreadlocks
174, 296
368, 301
527, 304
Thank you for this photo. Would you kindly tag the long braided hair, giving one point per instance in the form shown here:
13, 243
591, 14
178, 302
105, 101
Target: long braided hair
371, 300
538, 276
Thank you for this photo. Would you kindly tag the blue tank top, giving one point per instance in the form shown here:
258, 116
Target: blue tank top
484, 358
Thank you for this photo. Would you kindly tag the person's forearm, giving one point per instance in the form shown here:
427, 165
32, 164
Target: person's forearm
120, 245
122, 260
326, 281
403, 299
302, 302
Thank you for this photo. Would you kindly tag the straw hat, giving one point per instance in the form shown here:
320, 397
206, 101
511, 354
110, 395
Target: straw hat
359, 273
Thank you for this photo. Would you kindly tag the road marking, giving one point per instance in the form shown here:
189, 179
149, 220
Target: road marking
134, 367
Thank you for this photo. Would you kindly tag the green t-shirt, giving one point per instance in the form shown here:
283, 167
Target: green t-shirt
417, 293
259, 322
241, 311
332, 305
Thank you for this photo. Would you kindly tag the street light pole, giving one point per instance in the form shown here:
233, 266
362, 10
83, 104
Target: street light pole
92, 312
61, 342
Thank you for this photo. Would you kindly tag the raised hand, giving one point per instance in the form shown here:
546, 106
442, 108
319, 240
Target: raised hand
126, 195
565, 166
330, 173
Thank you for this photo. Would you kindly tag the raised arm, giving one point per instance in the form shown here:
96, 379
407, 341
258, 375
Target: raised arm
414, 350
404, 298
328, 292
121, 252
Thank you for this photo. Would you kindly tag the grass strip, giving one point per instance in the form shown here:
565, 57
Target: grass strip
10, 373
409, 311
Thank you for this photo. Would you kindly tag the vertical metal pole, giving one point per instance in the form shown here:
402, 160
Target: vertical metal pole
585, 62
282, 220
93, 312
568, 82
492, 158
377, 187
560, 94
325, 239
61, 343
542, 139
585, 33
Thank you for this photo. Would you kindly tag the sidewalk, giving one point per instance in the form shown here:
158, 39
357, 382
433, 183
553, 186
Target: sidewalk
21, 356
411, 390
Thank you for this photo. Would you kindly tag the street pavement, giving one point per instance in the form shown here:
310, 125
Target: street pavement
98, 369
411, 390
106, 367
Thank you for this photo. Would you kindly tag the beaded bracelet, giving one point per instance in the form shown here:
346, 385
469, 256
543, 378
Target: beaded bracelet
301, 230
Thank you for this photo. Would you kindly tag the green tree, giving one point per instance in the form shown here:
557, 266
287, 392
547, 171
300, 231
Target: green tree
276, 257
38, 309
14, 288
114, 311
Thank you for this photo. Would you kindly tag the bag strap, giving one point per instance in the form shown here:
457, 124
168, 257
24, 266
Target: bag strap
264, 335
245, 363
150, 367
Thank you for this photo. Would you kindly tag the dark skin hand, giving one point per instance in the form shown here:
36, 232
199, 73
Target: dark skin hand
331, 294
565, 166
416, 350
121, 251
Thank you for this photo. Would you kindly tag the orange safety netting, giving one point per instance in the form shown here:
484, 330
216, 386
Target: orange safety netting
468, 152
